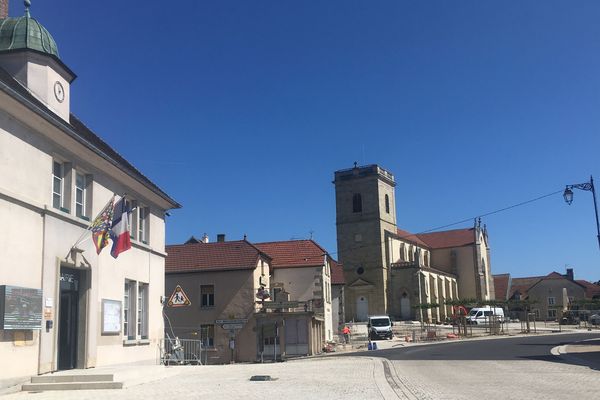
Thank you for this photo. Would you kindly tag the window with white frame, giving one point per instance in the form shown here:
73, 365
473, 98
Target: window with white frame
128, 309
138, 221
552, 313
551, 301
135, 310
142, 311
81, 183
58, 184
142, 224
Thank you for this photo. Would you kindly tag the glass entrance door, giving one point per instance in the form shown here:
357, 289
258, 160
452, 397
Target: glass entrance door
68, 319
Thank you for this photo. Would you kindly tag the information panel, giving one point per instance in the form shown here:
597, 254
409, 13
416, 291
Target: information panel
111, 317
20, 308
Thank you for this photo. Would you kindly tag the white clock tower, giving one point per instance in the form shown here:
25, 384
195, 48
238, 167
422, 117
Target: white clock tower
29, 53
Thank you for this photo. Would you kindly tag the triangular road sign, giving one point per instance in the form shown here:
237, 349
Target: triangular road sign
179, 298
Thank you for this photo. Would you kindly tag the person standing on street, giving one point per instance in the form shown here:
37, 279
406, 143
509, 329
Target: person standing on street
346, 332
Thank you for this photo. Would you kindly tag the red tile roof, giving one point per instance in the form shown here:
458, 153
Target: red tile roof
440, 240
445, 239
410, 237
555, 275
293, 253
523, 285
337, 273
501, 283
591, 289
212, 256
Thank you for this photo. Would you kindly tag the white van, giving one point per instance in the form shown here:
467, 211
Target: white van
380, 327
482, 315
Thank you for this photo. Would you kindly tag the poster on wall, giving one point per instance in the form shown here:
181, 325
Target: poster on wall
111, 317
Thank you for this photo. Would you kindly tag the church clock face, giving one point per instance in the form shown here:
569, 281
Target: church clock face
59, 92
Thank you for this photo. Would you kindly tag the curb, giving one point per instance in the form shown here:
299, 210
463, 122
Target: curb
563, 353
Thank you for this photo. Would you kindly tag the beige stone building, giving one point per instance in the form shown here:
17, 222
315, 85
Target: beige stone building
338, 299
65, 307
222, 280
548, 296
388, 270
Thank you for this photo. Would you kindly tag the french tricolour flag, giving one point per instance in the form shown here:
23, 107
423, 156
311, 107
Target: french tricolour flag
119, 231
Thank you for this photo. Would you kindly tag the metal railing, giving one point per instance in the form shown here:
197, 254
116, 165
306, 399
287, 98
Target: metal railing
175, 351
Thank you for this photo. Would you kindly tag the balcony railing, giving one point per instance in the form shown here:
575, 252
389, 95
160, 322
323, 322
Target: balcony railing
406, 264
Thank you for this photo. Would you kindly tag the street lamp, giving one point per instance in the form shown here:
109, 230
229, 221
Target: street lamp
589, 186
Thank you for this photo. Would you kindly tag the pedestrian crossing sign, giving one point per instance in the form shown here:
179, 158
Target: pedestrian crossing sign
179, 298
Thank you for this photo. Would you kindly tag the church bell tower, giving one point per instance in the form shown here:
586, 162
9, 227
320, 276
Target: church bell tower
365, 210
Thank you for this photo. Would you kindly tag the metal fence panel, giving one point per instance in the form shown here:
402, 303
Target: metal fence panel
175, 351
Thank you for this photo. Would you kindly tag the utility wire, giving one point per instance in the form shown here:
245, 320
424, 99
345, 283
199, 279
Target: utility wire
462, 221
492, 212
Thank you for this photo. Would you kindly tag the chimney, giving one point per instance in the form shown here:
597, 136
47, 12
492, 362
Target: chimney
220, 237
3, 9
570, 274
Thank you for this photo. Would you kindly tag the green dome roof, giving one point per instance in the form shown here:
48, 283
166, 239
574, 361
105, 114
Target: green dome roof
26, 33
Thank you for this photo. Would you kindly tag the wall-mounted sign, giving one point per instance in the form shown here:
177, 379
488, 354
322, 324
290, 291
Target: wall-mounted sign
20, 308
111, 317
281, 304
231, 321
229, 327
179, 298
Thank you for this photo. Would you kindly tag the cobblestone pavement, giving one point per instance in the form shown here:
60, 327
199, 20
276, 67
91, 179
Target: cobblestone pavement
490, 380
322, 378
357, 378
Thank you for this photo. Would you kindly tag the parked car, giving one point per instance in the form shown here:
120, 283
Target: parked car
594, 319
380, 327
482, 315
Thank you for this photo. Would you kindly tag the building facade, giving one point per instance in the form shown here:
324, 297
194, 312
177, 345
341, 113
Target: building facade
338, 301
227, 281
302, 272
76, 308
547, 297
390, 271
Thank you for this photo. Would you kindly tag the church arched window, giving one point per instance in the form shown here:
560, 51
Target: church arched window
387, 204
356, 203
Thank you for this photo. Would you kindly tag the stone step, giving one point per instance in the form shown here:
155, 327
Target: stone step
72, 378
37, 387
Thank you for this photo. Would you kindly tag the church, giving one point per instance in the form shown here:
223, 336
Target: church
391, 271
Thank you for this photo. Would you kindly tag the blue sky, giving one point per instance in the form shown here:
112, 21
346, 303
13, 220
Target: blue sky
242, 111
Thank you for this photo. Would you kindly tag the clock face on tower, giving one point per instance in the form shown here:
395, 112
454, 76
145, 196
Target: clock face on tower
59, 92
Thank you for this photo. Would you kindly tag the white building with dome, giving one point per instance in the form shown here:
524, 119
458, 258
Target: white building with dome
65, 307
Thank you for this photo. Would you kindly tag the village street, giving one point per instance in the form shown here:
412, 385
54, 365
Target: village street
504, 368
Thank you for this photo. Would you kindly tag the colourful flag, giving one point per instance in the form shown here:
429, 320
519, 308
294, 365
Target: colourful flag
119, 231
101, 226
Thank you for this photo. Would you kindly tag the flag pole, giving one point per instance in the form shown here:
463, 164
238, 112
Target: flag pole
78, 241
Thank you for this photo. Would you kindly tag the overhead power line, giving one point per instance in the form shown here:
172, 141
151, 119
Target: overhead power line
464, 220
492, 212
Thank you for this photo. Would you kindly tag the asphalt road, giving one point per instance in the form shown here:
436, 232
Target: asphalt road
515, 348
494, 368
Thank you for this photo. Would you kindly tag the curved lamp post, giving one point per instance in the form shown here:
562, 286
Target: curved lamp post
589, 186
